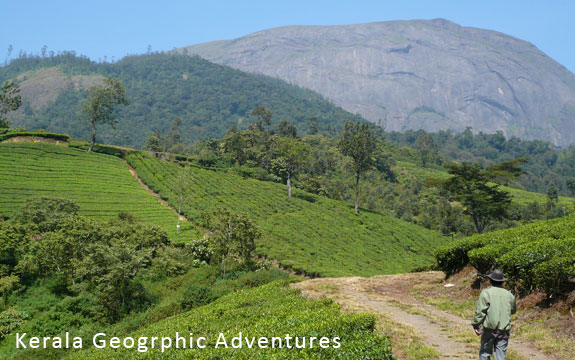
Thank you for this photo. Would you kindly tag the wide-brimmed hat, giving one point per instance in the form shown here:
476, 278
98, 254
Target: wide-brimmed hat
497, 275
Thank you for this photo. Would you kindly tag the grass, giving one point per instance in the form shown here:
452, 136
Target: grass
543, 336
463, 308
306, 233
406, 343
101, 184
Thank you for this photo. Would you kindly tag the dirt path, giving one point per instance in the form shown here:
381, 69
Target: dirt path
162, 201
35, 139
448, 334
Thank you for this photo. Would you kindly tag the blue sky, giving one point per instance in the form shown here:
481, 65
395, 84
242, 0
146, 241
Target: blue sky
117, 28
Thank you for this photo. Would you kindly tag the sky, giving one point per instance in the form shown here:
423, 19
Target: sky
112, 29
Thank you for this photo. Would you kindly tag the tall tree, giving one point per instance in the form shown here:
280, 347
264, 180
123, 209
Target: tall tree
155, 142
470, 186
504, 172
234, 144
10, 100
290, 155
175, 135
427, 149
312, 127
571, 185
552, 193
233, 235
264, 117
102, 104
286, 129
358, 141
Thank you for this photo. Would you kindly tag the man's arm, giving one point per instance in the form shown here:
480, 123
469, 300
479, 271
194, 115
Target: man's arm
480, 310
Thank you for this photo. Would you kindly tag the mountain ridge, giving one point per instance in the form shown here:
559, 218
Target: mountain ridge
207, 97
412, 74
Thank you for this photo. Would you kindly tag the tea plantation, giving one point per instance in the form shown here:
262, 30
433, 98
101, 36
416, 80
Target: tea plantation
538, 256
268, 311
100, 184
306, 233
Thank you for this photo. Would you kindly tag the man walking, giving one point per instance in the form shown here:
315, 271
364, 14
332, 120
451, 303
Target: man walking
493, 317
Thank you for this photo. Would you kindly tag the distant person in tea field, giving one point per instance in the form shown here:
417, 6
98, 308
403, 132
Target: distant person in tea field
493, 317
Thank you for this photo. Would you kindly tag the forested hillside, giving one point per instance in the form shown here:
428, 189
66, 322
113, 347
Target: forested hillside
208, 98
547, 167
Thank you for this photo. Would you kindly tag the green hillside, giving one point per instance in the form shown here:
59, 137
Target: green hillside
306, 233
208, 98
101, 184
408, 170
269, 311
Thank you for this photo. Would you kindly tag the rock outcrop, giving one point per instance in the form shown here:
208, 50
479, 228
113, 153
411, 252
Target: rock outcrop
421, 74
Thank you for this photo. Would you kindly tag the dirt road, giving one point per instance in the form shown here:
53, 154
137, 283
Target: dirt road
394, 297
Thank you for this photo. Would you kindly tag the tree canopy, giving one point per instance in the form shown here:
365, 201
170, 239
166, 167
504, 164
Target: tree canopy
290, 156
358, 141
233, 236
102, 104
470, 185
10, 100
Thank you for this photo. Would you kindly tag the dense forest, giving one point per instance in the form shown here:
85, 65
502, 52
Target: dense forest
208, 98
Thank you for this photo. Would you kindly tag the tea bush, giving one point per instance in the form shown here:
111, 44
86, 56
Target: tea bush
59, 137
101, 185
307, 233
538, 256
265, 311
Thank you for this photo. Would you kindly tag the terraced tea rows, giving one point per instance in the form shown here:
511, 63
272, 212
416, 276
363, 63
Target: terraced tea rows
307, 233
269, 311
538, 256
100, 184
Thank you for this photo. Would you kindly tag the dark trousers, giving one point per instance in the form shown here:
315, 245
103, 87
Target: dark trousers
491, 344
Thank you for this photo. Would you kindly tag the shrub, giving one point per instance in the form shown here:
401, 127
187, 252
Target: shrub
454, 257
484, 258
538, 256
197, 295
102, 149
557, 275
258, 278
47, 213
10, 320
201, 250
520, 263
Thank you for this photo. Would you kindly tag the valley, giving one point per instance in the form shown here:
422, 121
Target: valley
342, 192
307, 234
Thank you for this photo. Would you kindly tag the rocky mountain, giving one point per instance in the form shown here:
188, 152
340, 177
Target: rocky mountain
428, 74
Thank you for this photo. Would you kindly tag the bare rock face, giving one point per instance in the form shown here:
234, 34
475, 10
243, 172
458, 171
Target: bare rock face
422, 74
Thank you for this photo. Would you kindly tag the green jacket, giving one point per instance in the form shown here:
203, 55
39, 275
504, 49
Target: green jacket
494, 309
